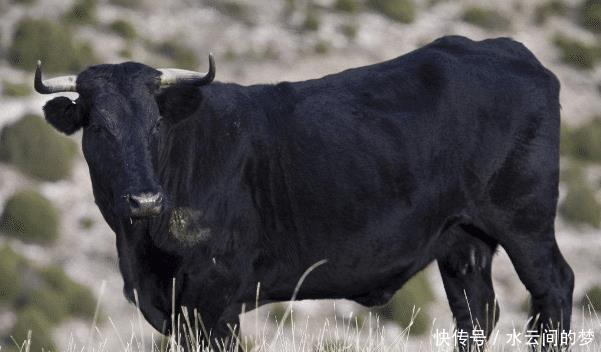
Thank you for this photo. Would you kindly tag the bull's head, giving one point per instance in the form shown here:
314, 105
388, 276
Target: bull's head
118, 112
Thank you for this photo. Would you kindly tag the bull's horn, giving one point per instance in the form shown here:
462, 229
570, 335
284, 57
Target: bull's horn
171, 76
53, 85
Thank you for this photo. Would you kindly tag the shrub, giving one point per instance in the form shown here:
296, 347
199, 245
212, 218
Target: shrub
311, 21
80, 301
485, 18
82, 12
12, 89
179, 55
415, 293
580, 205
398, 10
32, 319
582, 143
349, 30
132, 4
52, 43
594, 295
24, 2
350, 6
548, 9
36, 149
236, 10
577, 53
10, 278
322, 47
86, 223
49, 302
124, 29
30, 217
590, 15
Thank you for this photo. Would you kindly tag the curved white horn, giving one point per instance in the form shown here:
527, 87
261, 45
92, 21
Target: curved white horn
53, 85
171, 76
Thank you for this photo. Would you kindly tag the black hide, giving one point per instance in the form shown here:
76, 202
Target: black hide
440, 154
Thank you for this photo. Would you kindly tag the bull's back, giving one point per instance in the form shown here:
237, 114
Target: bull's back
404, 133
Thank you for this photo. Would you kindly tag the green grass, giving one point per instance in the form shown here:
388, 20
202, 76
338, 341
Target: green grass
12, 89
576, 53
415, 293
590, 15
124, 29
50, 42
36, 149
30, 217
580, 205
398, 10
485, 18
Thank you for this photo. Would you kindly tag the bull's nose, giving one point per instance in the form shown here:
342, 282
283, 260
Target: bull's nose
145, 204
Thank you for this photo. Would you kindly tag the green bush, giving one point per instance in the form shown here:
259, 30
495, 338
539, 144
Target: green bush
41, 329
576, 53
590, 15
52, 304
311, 21
322, 47
582, 143
398, 10
485, 18
548, 9
52, 43
11, 89
124, 29
179, 55
36, 149
235, 9
350, 6
132, 4
80, 301
415, 293
580, 205
30, 217
10, 277
82, 12
24, 2
594, 295
349, 30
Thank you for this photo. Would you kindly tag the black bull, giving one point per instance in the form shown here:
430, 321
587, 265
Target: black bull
442, 154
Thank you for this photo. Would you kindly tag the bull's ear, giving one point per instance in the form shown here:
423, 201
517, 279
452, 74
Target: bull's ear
63, 114
178, 102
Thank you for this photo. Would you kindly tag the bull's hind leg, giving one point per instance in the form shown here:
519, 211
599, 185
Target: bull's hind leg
465, 264
546, 275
